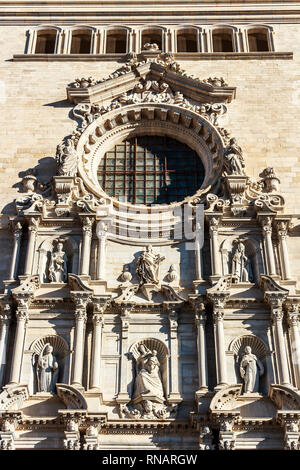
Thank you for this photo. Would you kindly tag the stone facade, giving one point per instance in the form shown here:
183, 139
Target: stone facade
163, 327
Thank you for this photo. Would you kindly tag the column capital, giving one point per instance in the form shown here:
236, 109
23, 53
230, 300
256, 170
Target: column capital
17, 229
5, 315
282, 227
266, 223
33, 224
87, 225
100, 304
80, 300
214, 223
98, 320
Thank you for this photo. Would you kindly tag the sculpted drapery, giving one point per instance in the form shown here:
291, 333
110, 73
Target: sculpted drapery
148, 379
251, 368
147, 266
47, 370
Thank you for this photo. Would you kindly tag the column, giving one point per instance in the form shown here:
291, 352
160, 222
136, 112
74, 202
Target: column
123, 396
218, 301
174, 395
267, 234
281, 356
198, 253
32, 231
5, 319
293, 322
87, 224
80, 322
16, 251
200, 319
282, 229
16, 363
214, 247
101, 262
98, 323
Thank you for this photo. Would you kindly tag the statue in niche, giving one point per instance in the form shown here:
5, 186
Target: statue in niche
234, 160
58, 264
251, 368
241, 264
147, 266
47, 370
148, 384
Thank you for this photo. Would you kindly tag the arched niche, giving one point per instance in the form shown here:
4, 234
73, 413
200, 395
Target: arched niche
162, 355
252, 251
61, 351
259, 349
44, 253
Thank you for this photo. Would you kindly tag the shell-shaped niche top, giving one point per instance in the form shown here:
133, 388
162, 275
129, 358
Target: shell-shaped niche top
60, 346
257, 346
150, 343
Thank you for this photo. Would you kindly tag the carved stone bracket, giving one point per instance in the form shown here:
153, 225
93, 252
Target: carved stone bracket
290, 421
9, 421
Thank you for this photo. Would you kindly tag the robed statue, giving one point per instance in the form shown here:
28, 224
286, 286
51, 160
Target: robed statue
148, 383
241, 264
58, 265
234, 160
47, 370
147, 266
251, 368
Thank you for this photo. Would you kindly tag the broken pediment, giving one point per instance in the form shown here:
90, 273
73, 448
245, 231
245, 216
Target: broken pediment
164, 69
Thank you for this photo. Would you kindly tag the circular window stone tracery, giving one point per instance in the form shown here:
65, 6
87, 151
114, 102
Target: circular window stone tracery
150, 169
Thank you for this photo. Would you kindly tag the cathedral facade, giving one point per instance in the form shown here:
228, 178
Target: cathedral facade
149, 225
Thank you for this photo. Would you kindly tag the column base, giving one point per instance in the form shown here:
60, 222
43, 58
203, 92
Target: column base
174, 398
123, 398
220, 386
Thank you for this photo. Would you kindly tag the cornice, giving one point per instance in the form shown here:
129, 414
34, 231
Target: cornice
179, 56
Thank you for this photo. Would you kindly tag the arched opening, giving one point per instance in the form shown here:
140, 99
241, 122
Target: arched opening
152, 36
81, 42
222, 40
187, 41
116, 42
45, 43
258, 41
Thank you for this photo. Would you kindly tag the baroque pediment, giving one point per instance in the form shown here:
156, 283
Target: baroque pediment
160, 68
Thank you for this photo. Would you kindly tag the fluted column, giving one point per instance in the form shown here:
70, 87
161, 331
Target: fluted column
198, 252
87, 224
219, 300
32, 231
267, 234
293, 322
200, 319
101, 262
5, 319
214, 247
98, 323
80, 323
282, 230
275, 301
174, 395
17, 233
17, 356
123, 396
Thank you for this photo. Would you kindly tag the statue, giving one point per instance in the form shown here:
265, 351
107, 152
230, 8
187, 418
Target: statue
148, 381
47, 370
67, 158
241, 265
251, 368
58, 265
234, 160
147, 266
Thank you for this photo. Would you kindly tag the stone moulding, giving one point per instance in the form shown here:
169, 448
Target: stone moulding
226, 397
71, 397
177, 55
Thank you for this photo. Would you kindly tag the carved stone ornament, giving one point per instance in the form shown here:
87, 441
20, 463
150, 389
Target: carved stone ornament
251, 369
147, 266
57, 271
241, 264
47, 370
